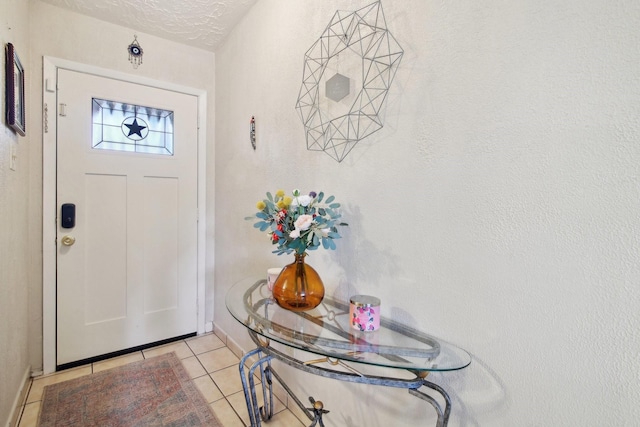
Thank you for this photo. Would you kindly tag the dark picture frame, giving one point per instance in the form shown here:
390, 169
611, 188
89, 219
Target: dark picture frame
15, 91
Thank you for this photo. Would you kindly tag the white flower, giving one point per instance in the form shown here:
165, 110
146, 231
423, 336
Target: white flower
325, 232
303, 222
302, 201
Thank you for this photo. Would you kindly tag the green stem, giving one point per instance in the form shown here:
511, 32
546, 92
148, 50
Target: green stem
301, 275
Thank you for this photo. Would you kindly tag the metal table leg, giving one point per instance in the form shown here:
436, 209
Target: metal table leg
255, 413
267, 374
443, 417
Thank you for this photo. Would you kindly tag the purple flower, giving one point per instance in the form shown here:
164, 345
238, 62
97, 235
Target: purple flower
313, 194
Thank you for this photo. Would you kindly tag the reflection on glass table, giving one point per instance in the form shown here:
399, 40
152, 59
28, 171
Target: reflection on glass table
326, 332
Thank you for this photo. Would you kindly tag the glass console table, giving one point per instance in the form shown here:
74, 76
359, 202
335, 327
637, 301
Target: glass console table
344, 352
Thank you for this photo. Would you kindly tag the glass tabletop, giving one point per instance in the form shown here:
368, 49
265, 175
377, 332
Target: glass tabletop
325, 330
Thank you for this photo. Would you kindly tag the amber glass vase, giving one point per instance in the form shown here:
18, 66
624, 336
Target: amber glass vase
298, 287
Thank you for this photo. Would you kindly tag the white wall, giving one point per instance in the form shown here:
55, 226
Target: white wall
497, 208
14, 224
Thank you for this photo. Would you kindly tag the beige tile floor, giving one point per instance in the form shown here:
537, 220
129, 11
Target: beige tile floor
211, 364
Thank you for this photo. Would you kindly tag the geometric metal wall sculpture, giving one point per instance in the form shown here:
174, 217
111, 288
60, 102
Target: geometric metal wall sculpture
361, 35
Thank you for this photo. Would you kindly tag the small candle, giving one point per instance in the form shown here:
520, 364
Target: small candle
364, 313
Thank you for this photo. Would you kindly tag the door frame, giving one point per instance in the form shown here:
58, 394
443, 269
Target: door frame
51, 66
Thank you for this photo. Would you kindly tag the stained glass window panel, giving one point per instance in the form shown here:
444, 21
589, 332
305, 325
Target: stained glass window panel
132, 128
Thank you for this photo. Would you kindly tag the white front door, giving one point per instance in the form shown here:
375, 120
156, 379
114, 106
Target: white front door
127, 267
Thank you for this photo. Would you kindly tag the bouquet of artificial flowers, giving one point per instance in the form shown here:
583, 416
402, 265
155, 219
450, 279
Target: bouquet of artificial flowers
299, 222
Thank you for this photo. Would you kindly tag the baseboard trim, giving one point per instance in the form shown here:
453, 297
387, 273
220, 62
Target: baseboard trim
229, 342
21, 397
208, 327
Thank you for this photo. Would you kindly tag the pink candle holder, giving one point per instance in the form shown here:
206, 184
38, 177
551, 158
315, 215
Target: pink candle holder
364, 313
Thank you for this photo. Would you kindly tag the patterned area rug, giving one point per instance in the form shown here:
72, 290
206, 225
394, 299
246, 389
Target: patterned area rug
151, 392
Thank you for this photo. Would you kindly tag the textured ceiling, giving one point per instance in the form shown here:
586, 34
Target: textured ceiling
198, 23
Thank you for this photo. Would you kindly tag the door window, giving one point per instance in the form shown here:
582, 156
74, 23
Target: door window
132, 128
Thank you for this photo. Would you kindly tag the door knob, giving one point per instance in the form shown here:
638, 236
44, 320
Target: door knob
68, 240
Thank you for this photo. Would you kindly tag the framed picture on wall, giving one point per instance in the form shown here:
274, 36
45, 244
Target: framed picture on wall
15, 91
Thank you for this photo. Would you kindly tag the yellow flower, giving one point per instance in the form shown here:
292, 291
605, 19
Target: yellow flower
281, 204
260, 205
280, 193
287, 200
